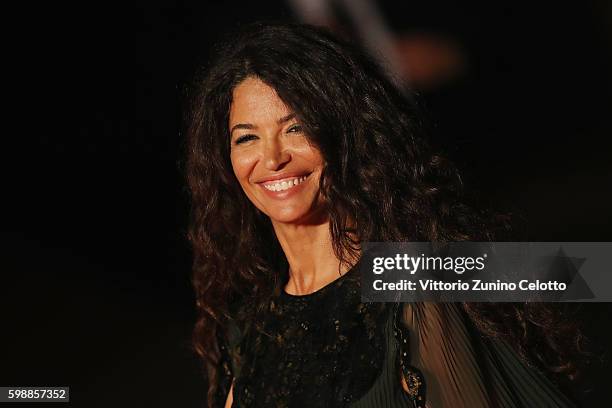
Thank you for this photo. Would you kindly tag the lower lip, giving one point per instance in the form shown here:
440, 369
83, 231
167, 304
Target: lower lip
283, 195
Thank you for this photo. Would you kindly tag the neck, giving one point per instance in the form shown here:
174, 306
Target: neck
312, 261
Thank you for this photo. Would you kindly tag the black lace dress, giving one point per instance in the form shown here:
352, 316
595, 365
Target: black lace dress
328, 349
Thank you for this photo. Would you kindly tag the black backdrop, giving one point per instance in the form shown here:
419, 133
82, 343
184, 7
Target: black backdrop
96, 291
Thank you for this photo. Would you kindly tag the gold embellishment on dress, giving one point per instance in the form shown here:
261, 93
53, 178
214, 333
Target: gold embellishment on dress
414, 383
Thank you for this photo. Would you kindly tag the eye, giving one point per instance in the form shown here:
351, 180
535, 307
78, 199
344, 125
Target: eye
295, 129
244, 139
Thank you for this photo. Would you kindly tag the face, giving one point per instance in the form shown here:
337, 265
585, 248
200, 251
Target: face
277, 167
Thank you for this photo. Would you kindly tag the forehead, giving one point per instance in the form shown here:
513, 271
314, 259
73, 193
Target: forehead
254, 101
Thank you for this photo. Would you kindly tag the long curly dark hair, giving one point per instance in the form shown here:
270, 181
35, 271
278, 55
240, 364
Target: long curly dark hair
381, 182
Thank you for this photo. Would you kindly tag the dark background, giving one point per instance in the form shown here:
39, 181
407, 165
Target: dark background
96, 282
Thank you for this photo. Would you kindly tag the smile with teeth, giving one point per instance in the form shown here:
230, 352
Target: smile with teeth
285, 184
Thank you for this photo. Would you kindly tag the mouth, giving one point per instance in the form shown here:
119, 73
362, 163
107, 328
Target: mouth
284, 184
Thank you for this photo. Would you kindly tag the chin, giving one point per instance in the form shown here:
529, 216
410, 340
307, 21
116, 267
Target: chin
297, 216
287, 217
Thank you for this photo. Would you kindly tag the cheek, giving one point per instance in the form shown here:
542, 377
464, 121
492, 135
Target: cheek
308, 153
242, 165
315, 158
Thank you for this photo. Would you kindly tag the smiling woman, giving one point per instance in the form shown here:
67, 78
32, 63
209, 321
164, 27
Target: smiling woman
275, 163
300, 149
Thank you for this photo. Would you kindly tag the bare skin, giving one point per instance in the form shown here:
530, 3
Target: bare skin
269, 147
230, 398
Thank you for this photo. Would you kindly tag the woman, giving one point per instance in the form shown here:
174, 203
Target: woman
299, 149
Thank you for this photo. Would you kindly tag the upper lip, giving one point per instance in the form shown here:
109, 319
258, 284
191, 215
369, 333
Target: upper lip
282, 176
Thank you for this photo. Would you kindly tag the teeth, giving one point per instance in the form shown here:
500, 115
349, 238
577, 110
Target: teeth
285, 185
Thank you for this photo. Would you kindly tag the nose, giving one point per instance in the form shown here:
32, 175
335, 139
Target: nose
275, 156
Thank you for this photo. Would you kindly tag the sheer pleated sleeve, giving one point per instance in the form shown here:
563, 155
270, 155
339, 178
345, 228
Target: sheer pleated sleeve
464, 369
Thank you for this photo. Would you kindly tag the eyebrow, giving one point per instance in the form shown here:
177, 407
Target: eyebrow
249, 126
286, 118
242, 126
